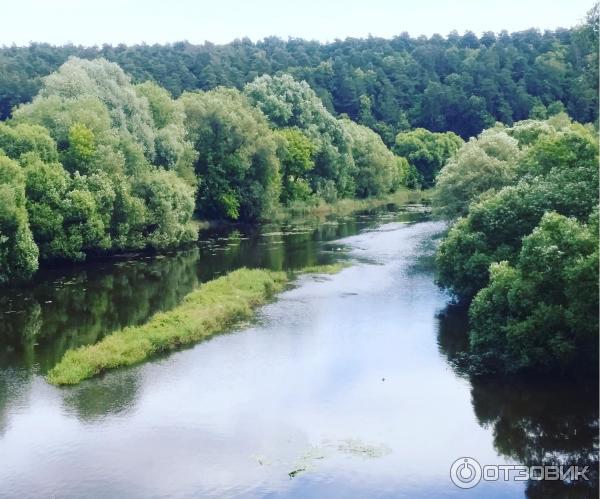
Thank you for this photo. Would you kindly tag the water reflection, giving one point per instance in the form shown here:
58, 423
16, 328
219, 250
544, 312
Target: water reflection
534, 422
74, 306
40, 322
348, 359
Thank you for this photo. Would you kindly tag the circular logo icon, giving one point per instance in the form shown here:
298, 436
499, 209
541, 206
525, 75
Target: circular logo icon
465, 472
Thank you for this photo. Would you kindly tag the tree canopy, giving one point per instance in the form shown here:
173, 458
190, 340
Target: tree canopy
96, 164
427, 151
237, 160
527, 201
460, 83
287, 102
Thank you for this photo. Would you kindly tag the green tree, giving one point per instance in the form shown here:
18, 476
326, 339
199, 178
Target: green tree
237, 155
457, 83
427, 151
377, 170
19, 139
296, 153
542, 314
130, 114
173, 151
558, 173
18, 252
484, 164
290, 103
169, 207
103, 195
81, 150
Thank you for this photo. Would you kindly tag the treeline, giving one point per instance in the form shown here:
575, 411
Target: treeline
96, 164
459, 83
523, 247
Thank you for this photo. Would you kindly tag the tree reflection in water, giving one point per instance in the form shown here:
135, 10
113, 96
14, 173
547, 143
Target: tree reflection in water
534, 422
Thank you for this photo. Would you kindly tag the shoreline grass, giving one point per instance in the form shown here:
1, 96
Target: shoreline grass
341, 207
350, 205
210, 309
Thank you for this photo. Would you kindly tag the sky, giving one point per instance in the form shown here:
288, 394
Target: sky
94, 22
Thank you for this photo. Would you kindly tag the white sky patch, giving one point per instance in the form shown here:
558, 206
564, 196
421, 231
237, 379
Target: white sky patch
94, 22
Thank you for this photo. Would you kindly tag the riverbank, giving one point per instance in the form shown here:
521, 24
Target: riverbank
347, 206
209, 310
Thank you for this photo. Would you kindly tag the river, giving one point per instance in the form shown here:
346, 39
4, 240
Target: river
343, 387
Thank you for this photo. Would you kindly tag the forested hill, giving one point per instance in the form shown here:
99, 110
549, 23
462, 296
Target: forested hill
461, 83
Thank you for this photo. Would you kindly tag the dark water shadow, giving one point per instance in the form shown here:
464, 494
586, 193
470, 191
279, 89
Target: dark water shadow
535, 422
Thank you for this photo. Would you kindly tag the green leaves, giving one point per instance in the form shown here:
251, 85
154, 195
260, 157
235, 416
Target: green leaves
296, 153
237, 161
376, 170
427, 151
18, 252
105, 194
542, 313
484, 164
523, 249
287, 102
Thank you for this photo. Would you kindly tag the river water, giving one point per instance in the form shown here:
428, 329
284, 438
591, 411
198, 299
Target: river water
343, 387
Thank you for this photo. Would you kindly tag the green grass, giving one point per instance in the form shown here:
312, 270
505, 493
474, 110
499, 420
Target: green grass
347, 206
330, 268
209, 310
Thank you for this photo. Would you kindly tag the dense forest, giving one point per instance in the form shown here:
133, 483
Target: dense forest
459, 83
97, 164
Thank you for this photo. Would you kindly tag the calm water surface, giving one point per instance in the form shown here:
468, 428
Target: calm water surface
342, 388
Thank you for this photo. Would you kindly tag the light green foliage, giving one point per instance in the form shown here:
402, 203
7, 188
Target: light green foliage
570, 151
485, 163
58, 115
164, 109
558, 172
528, 132
173, 151
522, 249
296, 153
18, 252
237, 155
129, 218
112, 166
169, 207
427, 151
130, 114
290, 103
86, 144
81, 150
542, 313
209, 310
377, 171
63, 215
22, 138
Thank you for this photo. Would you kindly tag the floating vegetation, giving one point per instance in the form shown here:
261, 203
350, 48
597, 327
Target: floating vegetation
351, 446
294, 473
330, 268
356, 447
